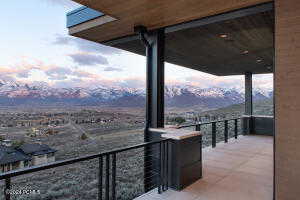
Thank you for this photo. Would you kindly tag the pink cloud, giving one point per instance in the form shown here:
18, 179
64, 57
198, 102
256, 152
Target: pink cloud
74, 77
88, 59
24, 68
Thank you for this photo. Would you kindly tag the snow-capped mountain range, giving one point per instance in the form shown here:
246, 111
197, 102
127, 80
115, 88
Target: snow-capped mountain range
13, 93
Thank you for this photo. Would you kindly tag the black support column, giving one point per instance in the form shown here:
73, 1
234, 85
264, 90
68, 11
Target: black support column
248, 94
154, 42
156, 73
155, 51
248, 118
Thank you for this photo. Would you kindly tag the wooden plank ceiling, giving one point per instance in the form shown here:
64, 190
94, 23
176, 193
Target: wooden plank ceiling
153, 14
230, 47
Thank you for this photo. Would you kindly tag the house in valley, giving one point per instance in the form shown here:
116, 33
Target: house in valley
39, 153
12, 159
26, 155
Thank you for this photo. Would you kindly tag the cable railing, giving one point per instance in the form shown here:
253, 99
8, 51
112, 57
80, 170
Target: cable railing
152, 157
214, 125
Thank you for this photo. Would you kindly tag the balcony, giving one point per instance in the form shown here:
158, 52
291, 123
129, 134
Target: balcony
239, 169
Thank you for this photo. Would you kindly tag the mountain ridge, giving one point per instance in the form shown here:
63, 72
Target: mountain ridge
14, 93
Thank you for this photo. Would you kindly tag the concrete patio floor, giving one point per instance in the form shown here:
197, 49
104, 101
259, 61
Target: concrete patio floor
241, 169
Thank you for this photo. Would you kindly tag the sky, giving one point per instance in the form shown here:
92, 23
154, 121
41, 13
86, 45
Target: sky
36, 48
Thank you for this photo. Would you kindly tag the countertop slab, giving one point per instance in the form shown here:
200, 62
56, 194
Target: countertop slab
176, 134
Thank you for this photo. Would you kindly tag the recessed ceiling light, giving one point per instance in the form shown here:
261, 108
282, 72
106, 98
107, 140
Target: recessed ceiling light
223, 36
245, 52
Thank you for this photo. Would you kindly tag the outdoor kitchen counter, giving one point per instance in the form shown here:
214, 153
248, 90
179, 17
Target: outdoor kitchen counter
185, 152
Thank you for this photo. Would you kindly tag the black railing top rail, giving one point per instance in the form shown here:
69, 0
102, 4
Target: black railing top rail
55, 164
204, 123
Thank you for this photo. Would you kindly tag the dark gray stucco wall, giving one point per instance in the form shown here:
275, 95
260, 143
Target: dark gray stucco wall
258, 124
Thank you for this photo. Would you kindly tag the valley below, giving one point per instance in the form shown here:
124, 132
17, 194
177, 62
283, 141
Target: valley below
77, 122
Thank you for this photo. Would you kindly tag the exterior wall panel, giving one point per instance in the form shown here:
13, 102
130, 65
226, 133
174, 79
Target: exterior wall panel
264, 125
287, 100
39, 160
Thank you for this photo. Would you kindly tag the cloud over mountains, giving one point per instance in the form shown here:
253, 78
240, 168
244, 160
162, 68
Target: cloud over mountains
88, 59
85, 45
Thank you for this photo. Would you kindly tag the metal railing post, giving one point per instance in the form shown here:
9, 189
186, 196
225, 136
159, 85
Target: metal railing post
213, 132
114, 168
163, 166
7, 189
235, 128
167, 167
100, 178
201, 140
198, 127
159, 169
107, 177
226, 131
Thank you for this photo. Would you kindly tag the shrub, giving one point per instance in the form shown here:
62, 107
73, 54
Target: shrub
178, 120
17, 143
83, 136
